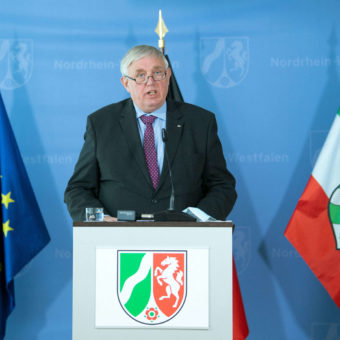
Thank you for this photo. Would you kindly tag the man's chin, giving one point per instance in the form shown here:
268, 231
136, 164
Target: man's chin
151, 107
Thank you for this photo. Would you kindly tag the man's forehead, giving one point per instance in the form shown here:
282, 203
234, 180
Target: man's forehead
148, 62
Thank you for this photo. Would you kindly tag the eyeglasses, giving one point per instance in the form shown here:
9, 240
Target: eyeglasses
142, 78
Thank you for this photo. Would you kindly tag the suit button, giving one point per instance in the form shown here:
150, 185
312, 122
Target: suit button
154, 201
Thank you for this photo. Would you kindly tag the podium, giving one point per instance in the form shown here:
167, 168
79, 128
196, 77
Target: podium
152, 280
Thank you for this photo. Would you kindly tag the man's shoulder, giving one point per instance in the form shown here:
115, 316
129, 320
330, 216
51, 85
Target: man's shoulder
189, 110
112, 111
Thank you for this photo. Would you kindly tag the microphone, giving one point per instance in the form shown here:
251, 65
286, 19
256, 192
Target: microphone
171, 214
172, 196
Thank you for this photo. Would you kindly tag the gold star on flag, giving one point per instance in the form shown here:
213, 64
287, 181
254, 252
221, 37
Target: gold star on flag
6, 228
6, 199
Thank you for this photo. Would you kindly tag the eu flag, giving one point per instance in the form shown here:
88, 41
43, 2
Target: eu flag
23, 232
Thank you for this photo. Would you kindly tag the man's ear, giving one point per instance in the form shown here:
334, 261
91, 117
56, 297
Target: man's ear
168, 71
168, 75
125, 83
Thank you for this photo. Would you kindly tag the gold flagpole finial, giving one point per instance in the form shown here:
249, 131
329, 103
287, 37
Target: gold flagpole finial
161, 30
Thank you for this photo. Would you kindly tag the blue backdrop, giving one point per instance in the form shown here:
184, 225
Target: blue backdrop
269, 71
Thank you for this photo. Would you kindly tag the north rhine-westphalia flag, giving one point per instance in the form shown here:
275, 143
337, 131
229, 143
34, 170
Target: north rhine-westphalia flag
23, 231
240, 325
314, 228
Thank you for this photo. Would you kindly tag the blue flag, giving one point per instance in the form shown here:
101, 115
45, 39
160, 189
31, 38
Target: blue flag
23, 231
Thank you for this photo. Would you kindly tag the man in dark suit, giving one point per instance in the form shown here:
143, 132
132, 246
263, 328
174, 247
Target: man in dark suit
122, 164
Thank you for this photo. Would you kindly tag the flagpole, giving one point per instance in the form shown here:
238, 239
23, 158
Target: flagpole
161, 31
174, 92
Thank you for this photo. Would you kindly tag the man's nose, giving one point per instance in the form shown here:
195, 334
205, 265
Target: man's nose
148, 79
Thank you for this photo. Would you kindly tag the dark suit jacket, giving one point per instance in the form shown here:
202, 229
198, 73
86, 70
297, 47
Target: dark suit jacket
111, 171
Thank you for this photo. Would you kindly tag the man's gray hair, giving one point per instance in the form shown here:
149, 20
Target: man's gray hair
138, 52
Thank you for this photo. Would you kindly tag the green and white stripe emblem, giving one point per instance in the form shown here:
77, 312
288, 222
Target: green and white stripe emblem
334, 214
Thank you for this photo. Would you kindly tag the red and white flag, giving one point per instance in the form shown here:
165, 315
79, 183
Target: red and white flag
240, 324
314, 228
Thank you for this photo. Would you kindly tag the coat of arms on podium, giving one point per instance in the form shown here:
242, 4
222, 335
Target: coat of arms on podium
152, 284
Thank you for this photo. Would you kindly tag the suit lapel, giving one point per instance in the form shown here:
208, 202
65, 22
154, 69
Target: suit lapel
128, 123
174, 127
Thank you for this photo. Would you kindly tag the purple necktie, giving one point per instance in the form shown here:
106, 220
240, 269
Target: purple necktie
150, 149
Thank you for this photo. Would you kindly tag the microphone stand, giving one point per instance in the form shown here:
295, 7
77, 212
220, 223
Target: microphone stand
171, 214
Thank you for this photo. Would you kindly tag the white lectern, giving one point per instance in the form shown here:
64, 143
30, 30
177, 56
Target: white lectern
152, 280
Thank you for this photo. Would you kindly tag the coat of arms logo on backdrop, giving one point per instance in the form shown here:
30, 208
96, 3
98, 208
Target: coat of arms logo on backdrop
16, 62
225, 60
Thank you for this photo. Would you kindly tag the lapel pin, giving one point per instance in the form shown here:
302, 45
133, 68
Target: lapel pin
179, 125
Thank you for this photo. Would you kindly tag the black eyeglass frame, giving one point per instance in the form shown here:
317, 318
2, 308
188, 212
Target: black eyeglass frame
147, 78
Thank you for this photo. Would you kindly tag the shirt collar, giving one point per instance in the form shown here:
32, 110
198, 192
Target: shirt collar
159, 113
